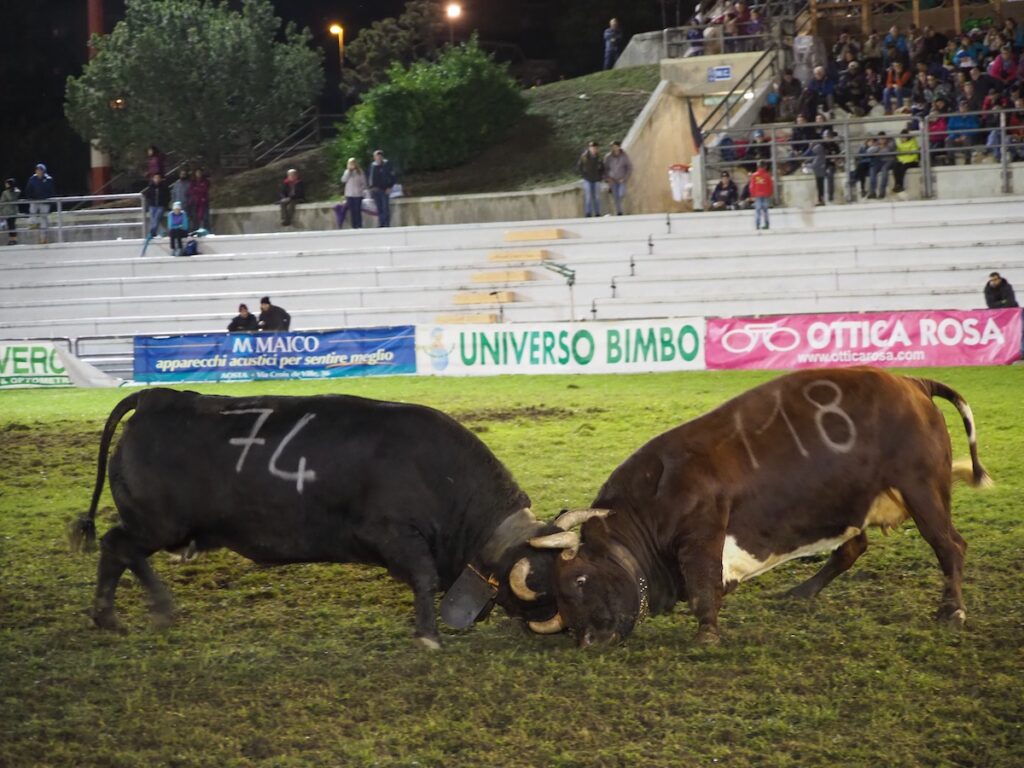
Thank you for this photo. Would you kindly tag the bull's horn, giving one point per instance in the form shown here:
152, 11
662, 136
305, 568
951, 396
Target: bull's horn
575, 517
549, 627
560, 540
517, 580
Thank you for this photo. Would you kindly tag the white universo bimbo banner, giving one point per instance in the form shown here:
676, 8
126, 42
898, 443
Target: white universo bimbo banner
633, 346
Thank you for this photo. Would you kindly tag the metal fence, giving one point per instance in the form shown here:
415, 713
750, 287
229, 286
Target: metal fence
61, 219
788, 148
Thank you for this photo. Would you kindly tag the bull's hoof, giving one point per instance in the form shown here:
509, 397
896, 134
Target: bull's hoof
106, 619
707, 636
161, 619
955, 618
430, 643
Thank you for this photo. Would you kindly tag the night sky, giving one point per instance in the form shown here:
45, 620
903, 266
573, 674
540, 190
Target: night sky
44, 42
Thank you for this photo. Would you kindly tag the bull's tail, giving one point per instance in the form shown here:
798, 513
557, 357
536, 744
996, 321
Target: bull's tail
974, 474
82, 532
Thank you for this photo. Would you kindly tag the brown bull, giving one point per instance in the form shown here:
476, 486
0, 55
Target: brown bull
797, 466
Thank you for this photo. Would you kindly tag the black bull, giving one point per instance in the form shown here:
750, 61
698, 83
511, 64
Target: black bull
329, 478
803, 464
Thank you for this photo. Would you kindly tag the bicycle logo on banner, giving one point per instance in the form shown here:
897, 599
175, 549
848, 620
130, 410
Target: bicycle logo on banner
775, 337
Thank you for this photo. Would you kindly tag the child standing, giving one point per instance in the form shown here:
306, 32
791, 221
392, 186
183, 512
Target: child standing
761, 190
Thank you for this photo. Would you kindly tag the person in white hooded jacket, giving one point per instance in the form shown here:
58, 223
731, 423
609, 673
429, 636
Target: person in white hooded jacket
355, 189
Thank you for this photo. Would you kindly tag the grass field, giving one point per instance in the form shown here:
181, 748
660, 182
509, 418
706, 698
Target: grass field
314, 665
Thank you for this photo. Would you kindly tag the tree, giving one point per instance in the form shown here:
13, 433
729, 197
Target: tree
434, 114
413, 35
194, 78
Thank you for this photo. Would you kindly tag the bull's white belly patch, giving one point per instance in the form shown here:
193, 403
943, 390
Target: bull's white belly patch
740, 565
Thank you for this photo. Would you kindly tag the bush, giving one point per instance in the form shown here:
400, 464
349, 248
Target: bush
433, 115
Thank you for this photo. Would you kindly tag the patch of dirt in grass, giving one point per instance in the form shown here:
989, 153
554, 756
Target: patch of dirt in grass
523, 412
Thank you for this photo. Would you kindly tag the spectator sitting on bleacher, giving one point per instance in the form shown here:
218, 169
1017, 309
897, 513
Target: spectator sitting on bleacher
851, 92
873, 84
962, 132
1014, 132
759, 148
1004, 67
725, 195
845, 44
908, 155
871, 52
273, 318
938, 122
934, 43
897, 86
897, 40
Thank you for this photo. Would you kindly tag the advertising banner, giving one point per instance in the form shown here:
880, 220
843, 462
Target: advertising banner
43, 364
295, 355
631, 346
915, 338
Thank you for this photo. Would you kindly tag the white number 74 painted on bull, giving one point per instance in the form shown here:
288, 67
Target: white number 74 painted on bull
301, 475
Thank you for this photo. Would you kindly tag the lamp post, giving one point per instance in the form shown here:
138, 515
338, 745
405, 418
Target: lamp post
337, 29
453, 11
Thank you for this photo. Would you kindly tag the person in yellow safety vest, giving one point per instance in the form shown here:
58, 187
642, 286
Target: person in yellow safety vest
908, 154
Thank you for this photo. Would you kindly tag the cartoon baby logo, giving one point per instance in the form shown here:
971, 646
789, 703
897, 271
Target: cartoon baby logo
437, 351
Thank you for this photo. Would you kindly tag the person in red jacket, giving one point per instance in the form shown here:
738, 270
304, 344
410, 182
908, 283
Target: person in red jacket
761, 190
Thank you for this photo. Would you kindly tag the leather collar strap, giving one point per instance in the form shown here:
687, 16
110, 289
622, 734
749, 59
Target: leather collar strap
626, 559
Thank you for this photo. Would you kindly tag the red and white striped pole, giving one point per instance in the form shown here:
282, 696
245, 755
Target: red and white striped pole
99, 161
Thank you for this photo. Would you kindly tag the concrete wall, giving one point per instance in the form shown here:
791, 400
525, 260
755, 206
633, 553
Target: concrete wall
645, 48
692, 74
562, 202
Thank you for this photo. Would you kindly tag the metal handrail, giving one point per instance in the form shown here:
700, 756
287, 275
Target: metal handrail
71, 206
766, 62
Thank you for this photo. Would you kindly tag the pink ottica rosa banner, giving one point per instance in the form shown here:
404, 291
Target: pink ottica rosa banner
915, 338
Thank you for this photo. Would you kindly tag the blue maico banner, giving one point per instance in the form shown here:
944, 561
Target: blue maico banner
296, 355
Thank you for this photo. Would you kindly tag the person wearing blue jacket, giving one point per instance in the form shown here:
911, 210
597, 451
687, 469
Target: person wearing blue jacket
962, 132
40, 187
177, 228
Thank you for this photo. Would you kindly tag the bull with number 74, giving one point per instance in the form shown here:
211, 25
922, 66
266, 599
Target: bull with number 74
800, 465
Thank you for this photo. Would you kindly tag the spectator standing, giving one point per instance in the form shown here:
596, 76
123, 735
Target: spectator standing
381, 179
591, 169
618, 168
154, 161
199, 199
612, 43
38, 190
861, 169
158, 200
177, 228
725, 195
9, 209
293, 192
789, 96
908, 155
355, 189
962, 130
179, 189
761, 190
273, 318
823, 167
244, 321
999, 293
882, 160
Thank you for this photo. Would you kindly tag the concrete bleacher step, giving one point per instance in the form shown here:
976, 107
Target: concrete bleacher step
528, 255
467, 318
530, 235
503, 276
479, 297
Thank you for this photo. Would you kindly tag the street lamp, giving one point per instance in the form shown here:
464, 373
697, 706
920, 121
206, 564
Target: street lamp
454, 11
337, 29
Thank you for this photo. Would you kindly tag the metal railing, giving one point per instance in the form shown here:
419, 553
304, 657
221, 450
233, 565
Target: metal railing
761, 71
61, 217
937, 146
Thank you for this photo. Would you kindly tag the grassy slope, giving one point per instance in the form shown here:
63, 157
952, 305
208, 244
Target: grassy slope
541, 150
313, 666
